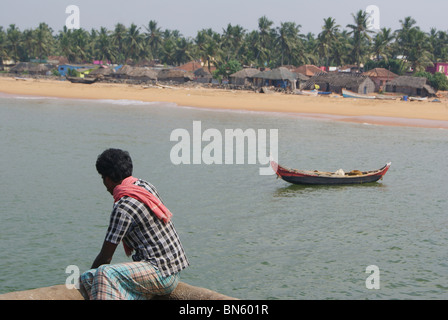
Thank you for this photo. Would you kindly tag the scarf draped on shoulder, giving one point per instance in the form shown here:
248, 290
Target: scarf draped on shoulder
128, 188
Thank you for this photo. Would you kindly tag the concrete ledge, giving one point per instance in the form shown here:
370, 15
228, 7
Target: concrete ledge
60, 292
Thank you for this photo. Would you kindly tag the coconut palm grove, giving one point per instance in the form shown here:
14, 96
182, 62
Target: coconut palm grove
408, 48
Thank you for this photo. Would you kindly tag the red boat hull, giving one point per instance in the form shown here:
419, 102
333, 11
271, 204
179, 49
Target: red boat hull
319, 178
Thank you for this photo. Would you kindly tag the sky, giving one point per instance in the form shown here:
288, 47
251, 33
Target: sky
190, 16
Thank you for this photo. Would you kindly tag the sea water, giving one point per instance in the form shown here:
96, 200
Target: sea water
246, 235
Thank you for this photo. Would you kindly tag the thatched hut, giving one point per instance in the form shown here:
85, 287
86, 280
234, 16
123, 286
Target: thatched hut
335, 82
135, 73
412, 86
30, 68
175, 75
144, 74
202, 75
301, 80
381, 77
243, 77
279, 78
123, 72
104, 71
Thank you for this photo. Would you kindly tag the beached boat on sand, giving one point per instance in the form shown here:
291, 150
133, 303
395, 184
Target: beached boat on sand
351, 94
387, 97
81, 80
418, 98
312, 93
328, 178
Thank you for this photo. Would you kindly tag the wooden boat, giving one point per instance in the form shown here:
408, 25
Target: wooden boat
328, 178
81, 80
418, 98
386, 97
307, 93
324, 93
351, 94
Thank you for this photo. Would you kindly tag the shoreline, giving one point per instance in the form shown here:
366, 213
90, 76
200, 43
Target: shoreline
380, 112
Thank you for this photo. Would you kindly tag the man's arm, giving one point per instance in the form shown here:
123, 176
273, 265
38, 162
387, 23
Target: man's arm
105, 255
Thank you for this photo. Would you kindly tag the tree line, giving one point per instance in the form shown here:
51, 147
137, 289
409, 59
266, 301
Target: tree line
268, 46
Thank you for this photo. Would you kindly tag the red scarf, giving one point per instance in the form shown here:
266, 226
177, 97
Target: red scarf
128, 188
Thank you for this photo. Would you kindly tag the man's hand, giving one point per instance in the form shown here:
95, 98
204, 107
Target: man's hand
105, 255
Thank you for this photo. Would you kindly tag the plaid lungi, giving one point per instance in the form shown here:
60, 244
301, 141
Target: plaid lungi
127, 281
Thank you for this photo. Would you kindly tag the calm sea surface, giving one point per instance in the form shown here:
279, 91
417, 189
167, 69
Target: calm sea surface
246, 235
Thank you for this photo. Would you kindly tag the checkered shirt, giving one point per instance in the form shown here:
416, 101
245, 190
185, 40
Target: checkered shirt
152, 239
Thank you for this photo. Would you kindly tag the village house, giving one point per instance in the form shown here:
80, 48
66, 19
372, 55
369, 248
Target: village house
135, 73
31, 68
411, 86
202, 75
441, 67
301, 80
335, 82
279, 78
308, 70
6, 64
191, 66
380, 77
243, 77
105, 71
175, 75
63, 69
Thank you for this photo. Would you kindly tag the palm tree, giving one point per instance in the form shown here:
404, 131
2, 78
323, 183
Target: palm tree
289, 41
80, 45
250, 49
265, 39
403, 37
208, 46
28, 42
361, 36
310, 43
232, 41
175, 49
104, 48
327, 39
153, 38
134, 42
420, 55
13, 41
439, 44
118, 39
183, 52
341, 49
381, 43
442, 45
64, 41
3, 54
43, 40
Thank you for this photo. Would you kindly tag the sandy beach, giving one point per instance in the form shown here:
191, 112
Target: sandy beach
385, 112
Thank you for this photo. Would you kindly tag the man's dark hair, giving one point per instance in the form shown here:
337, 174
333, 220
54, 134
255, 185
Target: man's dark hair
115, 164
